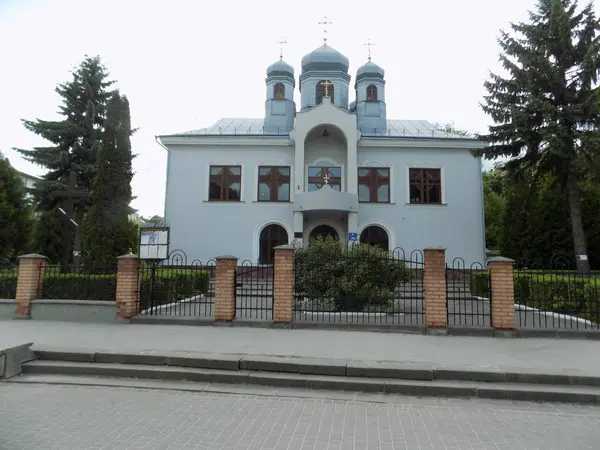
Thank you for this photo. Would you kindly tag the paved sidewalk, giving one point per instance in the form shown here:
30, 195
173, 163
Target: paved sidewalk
537, 355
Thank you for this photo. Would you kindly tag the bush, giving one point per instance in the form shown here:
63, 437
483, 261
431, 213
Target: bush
171, 285
351, 279
480, 284
80, 286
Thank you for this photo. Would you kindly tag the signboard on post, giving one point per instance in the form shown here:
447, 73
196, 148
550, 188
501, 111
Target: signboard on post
154, 243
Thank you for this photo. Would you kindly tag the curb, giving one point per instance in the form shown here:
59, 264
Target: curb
323, 367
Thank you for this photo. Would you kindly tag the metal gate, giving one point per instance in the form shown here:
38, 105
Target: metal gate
468, 295
254, 291
175, 287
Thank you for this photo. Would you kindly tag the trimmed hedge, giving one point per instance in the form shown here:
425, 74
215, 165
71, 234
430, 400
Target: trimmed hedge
353, 279
559, 292
80, 286
171, 285
8, 283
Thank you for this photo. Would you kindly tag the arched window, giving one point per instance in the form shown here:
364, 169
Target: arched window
323, 232
321, 85
372, 93
270, 237
375, 235
279, 91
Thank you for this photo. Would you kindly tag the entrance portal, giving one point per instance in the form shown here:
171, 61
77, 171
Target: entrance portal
323, 231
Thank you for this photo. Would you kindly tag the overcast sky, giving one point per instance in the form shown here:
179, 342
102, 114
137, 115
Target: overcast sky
185, 64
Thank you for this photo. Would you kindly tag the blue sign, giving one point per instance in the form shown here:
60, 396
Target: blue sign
353, 236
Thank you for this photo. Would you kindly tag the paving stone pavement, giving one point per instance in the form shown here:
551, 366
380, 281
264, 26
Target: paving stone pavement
61, 417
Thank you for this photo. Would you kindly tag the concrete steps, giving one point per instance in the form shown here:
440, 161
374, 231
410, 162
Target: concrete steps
292, 372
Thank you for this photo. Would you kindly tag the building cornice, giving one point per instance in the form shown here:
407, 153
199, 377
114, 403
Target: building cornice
410, 142
213, 140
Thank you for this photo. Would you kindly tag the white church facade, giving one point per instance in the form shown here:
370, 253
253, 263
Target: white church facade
330, 167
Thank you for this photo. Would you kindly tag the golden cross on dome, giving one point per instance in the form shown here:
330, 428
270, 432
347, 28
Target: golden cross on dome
281, 43
326, 178
325, 23
326, 85
369, 45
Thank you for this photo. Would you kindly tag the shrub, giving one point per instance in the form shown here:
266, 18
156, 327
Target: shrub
352, 279
80, 286
480, 284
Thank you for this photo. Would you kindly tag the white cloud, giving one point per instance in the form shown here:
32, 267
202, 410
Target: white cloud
185, 64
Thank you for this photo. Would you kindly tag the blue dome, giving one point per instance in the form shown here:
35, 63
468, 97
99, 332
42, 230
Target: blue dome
325, 58
370, 69
280, 68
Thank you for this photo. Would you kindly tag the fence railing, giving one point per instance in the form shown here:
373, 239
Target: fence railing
178, 288
254, 289
468, 294
557, 299
80, 281
8, 281
359, 285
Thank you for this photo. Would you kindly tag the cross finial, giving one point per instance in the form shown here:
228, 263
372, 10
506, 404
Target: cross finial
326, 85
281, 43
325, 22
326, 178
369, 45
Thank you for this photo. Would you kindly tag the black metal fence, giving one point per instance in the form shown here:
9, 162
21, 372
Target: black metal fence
175, 287
8, 281
558, 298
254, 291
79, 281
468, 294
358, 284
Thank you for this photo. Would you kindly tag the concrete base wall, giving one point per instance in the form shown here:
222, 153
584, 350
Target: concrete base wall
74, 310
7, 309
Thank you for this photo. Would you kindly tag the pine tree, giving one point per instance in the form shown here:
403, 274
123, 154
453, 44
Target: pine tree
74, 146
546, 112
107, 231
16, 218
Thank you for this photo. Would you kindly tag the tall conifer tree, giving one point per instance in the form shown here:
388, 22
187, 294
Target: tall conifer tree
107, 231
546, 111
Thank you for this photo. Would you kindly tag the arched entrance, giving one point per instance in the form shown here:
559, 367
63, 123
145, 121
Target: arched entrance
323, 231
270, 237
376, 236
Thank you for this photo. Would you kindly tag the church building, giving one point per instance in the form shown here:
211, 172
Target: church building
334, 165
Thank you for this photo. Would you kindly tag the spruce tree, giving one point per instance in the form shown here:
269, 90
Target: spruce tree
74, 144
546, 111
107, 231
16, 218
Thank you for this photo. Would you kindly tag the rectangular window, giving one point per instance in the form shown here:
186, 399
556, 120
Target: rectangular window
319, 176
425, 186
273, 184
225, 183
373, 185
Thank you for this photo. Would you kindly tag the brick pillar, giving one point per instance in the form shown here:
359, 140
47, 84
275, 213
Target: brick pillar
30, 283
283, 284
435, 288
503, 293
127, 297
225, 289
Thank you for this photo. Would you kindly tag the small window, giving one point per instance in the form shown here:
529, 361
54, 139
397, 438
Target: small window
279, 91
425, 186
321, 85
372, 93
320, 176
225, 183
373, 185
273, 184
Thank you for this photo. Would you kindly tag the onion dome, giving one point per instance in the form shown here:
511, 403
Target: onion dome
325, 58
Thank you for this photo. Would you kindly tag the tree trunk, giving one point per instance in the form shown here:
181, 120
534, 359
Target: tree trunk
579, 241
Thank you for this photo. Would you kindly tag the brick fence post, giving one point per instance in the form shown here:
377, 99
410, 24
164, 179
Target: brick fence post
225, 289
283, 284
503, 293
127, 297
30, 283
436, 315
